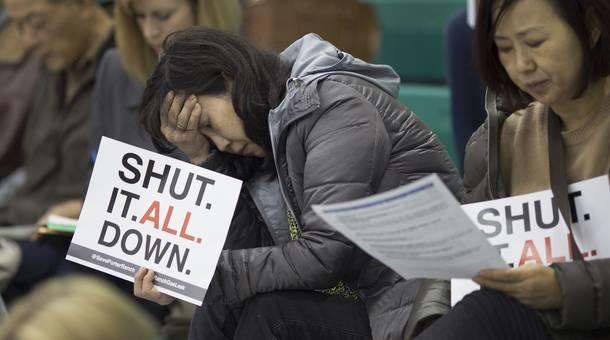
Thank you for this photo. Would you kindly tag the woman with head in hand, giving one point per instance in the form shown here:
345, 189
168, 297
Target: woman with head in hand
311, 126
549, 61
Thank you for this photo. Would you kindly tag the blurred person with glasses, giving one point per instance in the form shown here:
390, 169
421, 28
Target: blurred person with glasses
69, 37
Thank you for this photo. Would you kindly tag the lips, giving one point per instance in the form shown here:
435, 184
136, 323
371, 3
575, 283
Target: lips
537, 86
42, 55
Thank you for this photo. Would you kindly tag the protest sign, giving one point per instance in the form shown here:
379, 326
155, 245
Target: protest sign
143, 209
529, 229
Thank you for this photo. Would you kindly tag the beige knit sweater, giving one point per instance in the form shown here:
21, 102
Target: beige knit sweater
524, 159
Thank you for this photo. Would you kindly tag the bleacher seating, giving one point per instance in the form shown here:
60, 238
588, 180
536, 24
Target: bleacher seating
412, 36
412, 42
431, 104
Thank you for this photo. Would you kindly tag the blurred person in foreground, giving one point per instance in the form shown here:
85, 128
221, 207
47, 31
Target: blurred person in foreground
549, 62
77, 308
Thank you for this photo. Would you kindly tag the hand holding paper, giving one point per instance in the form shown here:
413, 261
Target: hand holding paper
529, 230
533, 285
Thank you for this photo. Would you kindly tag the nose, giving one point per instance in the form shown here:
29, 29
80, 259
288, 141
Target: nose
221, 143
150, 31
524, 61
31, 38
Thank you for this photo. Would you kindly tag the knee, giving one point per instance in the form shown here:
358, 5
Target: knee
485, 301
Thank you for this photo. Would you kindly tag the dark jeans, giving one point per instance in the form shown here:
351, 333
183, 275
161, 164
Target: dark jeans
488, 314
467, 90
290, 315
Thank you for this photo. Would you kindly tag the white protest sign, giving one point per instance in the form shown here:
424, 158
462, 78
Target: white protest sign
418, 230
147, 210
529, 228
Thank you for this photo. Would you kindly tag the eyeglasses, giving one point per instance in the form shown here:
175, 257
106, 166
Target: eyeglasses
33, 23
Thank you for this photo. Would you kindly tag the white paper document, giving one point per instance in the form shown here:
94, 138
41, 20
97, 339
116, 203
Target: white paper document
419, 230
147, 210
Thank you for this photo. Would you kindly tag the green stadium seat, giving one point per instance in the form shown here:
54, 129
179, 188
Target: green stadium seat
431, 104
412, 37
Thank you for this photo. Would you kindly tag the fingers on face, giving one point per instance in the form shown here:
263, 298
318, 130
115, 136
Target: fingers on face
179, 113
167, 103
185, 113
193, 122
175, 108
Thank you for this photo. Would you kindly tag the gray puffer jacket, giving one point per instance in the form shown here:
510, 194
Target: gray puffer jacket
585, 286
339, 134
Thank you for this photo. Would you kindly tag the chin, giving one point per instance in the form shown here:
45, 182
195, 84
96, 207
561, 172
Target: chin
55, 64
541, 98
547, 100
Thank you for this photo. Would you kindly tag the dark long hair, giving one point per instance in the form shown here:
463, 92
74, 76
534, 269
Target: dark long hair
576, 13
205, 61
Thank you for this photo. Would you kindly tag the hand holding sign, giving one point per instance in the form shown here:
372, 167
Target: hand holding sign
180, 117
533, 285
144, 287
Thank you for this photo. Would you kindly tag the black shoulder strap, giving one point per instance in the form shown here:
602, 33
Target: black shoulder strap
493, 140
559, 181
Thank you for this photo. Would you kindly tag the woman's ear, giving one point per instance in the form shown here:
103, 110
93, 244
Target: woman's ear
593, 26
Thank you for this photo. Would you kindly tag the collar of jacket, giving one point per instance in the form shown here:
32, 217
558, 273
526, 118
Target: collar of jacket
266, 194
274, 196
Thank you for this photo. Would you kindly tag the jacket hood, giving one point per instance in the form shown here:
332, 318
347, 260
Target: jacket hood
312, 57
